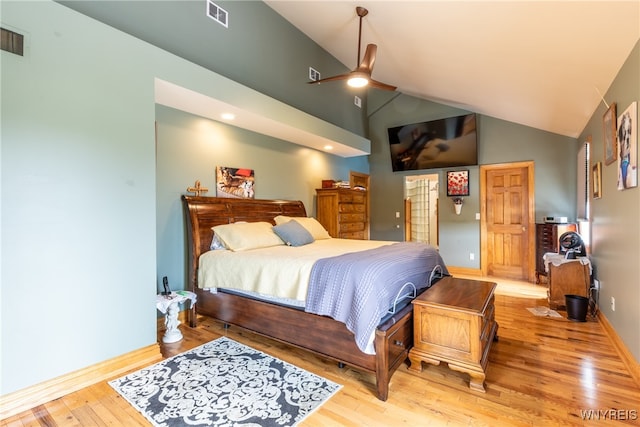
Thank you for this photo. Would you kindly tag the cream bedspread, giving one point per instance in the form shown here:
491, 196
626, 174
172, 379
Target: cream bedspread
281, 271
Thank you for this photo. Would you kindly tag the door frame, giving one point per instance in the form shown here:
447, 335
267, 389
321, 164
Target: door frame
531, 232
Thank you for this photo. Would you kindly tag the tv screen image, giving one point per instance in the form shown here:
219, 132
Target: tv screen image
434, 144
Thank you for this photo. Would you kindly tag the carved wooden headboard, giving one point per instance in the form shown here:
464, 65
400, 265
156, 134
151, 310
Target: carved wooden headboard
202, 213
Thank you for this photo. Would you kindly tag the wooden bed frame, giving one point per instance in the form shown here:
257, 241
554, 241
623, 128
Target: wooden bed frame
321, 335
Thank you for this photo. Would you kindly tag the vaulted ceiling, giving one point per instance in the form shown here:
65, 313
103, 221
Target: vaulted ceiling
541, 63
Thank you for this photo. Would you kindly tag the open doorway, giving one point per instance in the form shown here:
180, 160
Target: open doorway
421, 209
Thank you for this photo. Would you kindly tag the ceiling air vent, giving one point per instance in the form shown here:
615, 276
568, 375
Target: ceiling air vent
12, 42
217, 13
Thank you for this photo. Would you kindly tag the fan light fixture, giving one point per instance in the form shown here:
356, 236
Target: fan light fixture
358, 81
361, 76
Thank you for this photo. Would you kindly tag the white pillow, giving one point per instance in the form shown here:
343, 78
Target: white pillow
311, 224
247, 235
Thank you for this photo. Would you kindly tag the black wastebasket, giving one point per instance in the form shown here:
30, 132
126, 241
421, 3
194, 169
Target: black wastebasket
577, 307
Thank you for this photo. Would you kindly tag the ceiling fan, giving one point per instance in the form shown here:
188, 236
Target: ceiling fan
361, 76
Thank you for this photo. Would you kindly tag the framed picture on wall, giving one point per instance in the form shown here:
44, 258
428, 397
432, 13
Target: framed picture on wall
597, 180
609, 129
235, 182
628, 147
458, 183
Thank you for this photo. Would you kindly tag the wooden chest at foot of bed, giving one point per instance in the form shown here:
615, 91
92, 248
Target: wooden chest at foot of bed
454, 322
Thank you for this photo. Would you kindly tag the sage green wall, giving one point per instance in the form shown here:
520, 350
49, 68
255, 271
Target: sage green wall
190, 147
78, 195
78, 207
615, 219
259, 49
499, 141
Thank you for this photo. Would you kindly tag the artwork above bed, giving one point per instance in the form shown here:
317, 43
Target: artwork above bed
235, 182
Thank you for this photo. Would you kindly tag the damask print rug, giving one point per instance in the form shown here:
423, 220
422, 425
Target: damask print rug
224, 383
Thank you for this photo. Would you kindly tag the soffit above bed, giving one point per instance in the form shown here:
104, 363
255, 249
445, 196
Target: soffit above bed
261, 114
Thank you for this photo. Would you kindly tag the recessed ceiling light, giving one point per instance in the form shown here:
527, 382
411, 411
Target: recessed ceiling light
228, 116
328, 147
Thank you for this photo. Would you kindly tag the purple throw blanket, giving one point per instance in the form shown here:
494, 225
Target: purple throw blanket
358, 288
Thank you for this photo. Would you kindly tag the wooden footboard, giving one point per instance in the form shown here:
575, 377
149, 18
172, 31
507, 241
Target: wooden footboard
394, 339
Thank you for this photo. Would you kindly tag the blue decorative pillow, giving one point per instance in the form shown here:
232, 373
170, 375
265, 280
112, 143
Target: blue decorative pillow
293, 234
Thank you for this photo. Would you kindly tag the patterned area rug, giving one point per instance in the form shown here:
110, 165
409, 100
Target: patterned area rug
224, 383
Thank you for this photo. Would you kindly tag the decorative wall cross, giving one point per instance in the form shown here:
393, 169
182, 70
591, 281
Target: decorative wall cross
197, 189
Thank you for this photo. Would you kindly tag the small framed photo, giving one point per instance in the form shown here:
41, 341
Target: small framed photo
458, 183
609, 128
597, 180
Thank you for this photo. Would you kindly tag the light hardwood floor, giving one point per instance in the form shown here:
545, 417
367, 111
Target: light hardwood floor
541, 372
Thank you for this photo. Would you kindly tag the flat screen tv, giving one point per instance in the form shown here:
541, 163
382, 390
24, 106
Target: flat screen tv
434, 144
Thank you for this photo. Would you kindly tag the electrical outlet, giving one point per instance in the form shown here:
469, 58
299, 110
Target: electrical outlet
472, 256
596, 284
613, 304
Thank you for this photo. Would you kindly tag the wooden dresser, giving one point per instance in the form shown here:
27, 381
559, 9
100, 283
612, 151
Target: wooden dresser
547, 236
454, 322
343, 212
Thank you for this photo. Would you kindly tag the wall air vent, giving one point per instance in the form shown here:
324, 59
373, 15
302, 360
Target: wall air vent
217, 13
12, 42
314, 75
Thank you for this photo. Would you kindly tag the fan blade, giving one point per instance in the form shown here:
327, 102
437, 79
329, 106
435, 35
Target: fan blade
380, 85
366, 66
331, 79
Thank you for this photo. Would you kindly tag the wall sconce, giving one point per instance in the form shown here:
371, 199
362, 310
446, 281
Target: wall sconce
457, 204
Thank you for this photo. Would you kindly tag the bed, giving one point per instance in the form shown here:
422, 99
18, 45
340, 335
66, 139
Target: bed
320, 334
